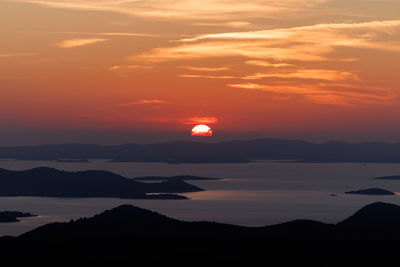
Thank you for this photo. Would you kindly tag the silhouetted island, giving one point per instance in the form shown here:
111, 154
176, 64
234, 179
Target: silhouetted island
73, 160
220, 152
175, 178
128, 233
48, 182
371, 191
12, 216
393, 177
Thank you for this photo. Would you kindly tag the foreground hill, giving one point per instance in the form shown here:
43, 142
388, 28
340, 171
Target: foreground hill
132, 234
222, 152
48, 182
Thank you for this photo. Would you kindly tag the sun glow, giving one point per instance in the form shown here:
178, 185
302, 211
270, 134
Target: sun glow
201, 130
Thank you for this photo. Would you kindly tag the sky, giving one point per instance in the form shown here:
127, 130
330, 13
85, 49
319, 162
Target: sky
119, 71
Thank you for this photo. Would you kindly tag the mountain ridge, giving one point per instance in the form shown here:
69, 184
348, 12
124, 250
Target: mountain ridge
127, 232
235, 151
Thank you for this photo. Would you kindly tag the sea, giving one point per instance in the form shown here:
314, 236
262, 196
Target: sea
251, 194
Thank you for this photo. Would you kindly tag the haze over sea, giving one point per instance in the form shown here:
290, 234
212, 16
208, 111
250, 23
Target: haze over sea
255, 194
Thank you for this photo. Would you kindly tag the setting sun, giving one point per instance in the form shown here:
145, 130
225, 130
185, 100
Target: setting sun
201, 130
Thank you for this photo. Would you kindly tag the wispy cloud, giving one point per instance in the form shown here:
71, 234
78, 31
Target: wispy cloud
252, 50
70, 43
307, 43
322, 93
190, 120
127, 34
143, 102
291, 32
205, 68
207, 76
129, 67
230, 24
329, 75
294, 53
184, 9
263, 63
199, 120
311, 74
12, 55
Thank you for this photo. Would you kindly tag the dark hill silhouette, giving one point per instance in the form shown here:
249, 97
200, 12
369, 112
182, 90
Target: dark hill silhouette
377, 221
371, 191
377, 215
222, 152
50, 182
130, 233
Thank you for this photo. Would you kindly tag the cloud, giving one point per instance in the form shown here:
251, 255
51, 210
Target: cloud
248, 49
293, 54
13, 55
329, 75
23, 77
205, 68
129, 67
190, 120
70, 43
126, 34
268, 64
199, 120
185, 9
308, 43
323, 93
294, 31
329, 100
313, 74
143, 102
230, 24
207, 76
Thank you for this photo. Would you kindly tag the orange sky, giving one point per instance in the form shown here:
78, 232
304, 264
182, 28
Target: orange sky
322, 67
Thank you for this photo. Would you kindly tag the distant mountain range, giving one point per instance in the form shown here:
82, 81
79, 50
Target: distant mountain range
128, 233
222, 152
49, 182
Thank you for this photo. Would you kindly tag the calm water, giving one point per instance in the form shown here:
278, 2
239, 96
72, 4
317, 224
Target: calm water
254, 194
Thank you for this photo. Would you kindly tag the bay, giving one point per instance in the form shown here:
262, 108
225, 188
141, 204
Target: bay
254, 194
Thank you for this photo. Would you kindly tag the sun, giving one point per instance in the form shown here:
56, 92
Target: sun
201, 130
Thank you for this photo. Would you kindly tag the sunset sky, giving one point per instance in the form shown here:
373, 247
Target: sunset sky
117, 71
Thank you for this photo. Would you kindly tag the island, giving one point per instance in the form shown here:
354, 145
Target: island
175, 178
393, 177
73, 160
49, 182
371, 191
12, 216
